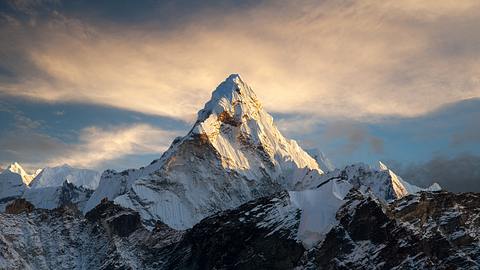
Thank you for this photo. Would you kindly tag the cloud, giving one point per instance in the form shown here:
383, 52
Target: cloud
21, 121
351, 59
95, 148
457, 174
98, 145
354, 135
31, 148
470, 133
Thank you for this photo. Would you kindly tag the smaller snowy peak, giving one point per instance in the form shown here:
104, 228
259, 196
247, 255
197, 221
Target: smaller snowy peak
399, 187
434, 187
323, 161
385, 184
12, 184
18, 169
408, 187
56, 176
15, 168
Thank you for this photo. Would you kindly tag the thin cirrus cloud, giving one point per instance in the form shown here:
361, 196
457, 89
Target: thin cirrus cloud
351, 59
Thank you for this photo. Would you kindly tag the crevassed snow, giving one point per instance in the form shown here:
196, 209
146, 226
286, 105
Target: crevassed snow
318, 209
55, 196
46, 197
11, 187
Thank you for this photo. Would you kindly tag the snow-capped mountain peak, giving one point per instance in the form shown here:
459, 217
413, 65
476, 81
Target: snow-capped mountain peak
18, 169
399, 187
233, 96
402, 187
234, 120
233, 153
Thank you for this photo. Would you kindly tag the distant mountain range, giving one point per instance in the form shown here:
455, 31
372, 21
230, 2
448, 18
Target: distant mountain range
47, 188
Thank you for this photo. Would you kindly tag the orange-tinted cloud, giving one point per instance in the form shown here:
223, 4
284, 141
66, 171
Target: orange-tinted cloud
349, 59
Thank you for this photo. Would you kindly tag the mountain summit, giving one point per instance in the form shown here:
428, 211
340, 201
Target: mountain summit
246, 139
18, 169
234, 153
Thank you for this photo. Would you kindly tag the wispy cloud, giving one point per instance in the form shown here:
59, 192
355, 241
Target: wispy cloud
95, 147
350, 59
98, 145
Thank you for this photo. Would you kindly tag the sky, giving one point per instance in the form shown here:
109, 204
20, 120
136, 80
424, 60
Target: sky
109, 84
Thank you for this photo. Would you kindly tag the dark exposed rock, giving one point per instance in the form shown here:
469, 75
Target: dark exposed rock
234, 240
118, 220
19, 206
70, 193
437, 230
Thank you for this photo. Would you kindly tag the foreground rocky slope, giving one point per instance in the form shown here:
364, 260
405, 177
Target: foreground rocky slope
426, 231
430, 230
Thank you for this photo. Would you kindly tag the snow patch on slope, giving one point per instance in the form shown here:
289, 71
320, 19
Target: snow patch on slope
318, 208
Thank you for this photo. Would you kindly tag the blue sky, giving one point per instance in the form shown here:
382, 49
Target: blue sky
109, 84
